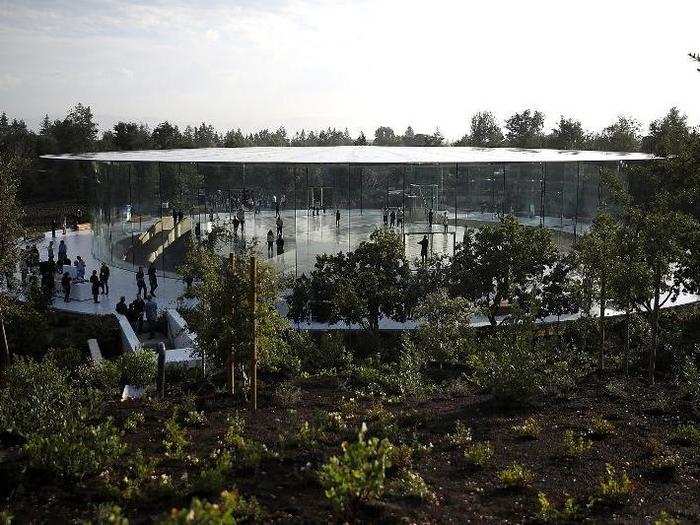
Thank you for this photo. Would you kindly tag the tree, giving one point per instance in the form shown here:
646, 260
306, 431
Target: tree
484, 132
77, 132
568, 134
10, 233
408, 137
668, 135
663, 240
166, 136
131, 136
597, 253
358, 287
622, 135
221, 314
384, 136
524, 130
501, 263
361, 140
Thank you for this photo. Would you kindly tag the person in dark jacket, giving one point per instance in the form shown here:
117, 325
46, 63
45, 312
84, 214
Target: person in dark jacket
95, 281
121, 307
151, 315
140, 282
104, 279
152, 279
65, 284
424, 249
139, 309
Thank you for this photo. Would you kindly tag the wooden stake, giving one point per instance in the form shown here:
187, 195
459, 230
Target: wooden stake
253, 333
230, 362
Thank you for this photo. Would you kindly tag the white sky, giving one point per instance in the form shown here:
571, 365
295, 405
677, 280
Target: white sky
356, 64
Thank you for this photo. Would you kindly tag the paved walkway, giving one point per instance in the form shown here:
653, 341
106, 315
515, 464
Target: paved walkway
121, 282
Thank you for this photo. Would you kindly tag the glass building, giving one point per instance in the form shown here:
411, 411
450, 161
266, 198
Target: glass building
145, 205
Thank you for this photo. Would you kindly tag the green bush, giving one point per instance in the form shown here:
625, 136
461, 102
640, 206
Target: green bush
410, 484
574, 445
77, 450
212, 480
108, 514
614, 489
37, 398
231, 509
530, 429
515, 476
601, 428
69, 358
688, 435
461, 436
478, 455
549, 513
358, 475
137, 368
175, 440
507, 368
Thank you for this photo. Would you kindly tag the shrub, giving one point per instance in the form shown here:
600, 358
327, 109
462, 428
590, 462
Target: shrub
507, 368
665, 464
137, 368
402, 457
575, 445
175, 439
77, 450
461, 436
196, 418
411, 485
530, 429
665, 519
614, 489
478, 455
601, 428
211, 480
69, 359
516, 476
687, 435
248, 453
36, 398
134, 421
235, 426
689, 380
357, 475
230, 509
287, 394
549, 513
108, 514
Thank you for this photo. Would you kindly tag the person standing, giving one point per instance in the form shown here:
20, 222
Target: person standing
104, 278
139, 308
385, 217
64, 225
79, 270
280, 245
241, 218
445, 222
277, 208
174, 217
270, 243
95, 281
424, 249
62, 252
140, 282
152, 279
53, 228
151, 315
121, 307
399, 218
337, 219
430, 219
279, 226
50, 252
392, 218
65, 284
235, 225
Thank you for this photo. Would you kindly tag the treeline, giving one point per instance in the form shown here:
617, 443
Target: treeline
78, 132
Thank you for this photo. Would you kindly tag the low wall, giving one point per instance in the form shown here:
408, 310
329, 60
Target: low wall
130, 342
178, 332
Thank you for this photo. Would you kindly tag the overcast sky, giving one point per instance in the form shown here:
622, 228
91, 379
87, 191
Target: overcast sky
352, 64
